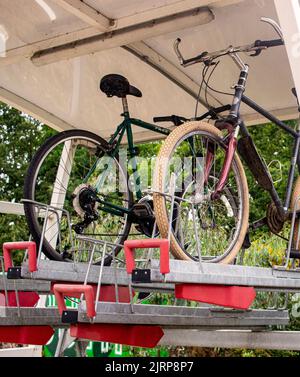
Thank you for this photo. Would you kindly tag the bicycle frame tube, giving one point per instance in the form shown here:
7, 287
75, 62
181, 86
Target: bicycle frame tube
116, 140
295, 159
232, 124
132, 150
237, 123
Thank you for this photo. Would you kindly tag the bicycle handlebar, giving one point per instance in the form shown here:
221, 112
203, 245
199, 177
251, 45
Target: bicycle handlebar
267, 44
178, 120
206, 57
255, 47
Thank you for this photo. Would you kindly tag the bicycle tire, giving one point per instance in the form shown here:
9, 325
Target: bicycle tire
158, 186
29, 209
295, 197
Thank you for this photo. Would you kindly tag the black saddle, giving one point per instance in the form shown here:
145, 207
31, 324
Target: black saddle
117, 85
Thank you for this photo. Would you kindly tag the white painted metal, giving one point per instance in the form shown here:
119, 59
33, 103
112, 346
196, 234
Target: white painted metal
94, 18
29, 351
88, 14
289, 16
16, 54
35, 111
11, 208
123, 36
169, 69
59, 191
65, 94
279, 340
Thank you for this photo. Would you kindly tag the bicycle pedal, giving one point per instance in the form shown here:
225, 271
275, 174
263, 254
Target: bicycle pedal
295, 254
142, 211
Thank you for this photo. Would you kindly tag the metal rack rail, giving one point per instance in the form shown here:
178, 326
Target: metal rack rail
207, 298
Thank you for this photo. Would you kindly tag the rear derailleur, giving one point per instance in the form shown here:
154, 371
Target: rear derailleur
85, 202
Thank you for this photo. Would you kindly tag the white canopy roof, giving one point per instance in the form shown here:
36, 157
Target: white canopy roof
54, 52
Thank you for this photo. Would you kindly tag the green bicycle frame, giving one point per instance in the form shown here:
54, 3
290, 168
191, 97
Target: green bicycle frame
115, 141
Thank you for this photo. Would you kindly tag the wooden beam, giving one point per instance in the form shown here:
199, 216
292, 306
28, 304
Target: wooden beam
17, 54
124, 36
169, 70
166, 11
86, 13
94, 18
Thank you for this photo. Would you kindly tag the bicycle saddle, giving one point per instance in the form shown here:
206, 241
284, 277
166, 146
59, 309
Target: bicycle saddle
117, 85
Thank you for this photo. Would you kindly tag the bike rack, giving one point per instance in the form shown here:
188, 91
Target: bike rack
109, 308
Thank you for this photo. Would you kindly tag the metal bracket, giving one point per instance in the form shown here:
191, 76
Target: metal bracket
141, 276
14, 273
69, 316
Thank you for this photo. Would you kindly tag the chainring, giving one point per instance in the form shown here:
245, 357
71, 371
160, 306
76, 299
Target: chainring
274, 220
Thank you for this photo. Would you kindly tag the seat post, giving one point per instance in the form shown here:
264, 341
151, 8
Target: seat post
125, 105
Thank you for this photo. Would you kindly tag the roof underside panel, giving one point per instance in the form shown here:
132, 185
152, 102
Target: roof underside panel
75, 43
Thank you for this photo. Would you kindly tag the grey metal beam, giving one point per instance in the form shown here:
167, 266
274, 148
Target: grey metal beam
30, 316
257, 277
75, 273
277, 340
25, 285
11, 208
182, 316
268, 279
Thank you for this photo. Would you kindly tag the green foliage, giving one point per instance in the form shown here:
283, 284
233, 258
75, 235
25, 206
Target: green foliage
272, 144
20, 136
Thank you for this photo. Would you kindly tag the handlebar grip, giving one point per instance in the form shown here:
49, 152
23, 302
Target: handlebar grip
221, 109
213, 112
272, 43
175, 119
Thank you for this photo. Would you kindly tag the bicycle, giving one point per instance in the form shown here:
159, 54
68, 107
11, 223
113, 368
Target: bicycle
81, 172
222, 198
212, 188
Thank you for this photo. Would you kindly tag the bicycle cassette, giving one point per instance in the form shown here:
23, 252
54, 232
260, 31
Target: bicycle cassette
82, 196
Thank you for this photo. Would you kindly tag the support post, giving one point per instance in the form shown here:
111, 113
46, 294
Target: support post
289, 17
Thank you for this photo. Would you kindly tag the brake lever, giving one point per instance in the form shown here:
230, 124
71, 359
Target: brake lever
275, 26
177, 51
183, 61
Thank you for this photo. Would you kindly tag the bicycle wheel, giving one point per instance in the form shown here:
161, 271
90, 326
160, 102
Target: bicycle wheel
295, 201
220, 225
71, 171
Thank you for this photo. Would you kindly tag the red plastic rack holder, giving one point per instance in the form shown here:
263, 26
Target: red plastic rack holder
35, 335
9, 247
162, 244
107, 292
61, 290
229, 296
131, 335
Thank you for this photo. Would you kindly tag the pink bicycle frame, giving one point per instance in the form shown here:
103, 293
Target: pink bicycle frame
230, 151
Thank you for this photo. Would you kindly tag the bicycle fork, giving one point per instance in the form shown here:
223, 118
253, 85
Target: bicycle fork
231, 148
233, 126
